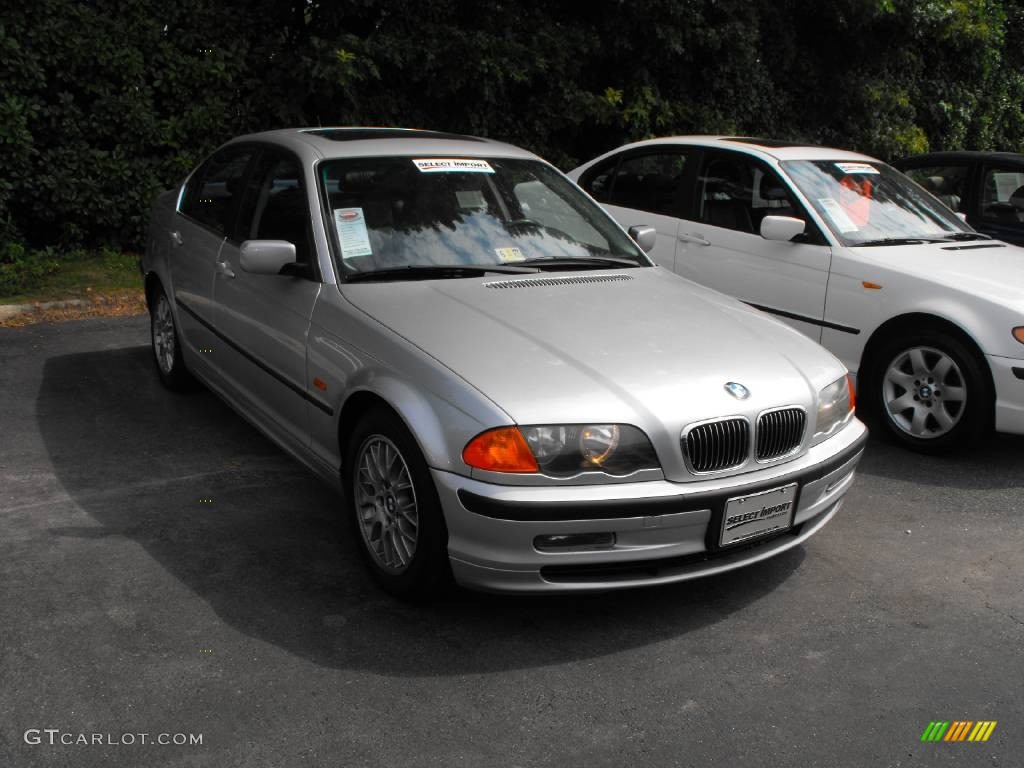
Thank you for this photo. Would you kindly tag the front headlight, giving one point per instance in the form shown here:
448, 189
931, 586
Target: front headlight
617, 449
835, 407
562, 450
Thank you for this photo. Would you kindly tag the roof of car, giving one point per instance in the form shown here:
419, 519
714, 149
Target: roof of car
770, 148
962, 155
354, 141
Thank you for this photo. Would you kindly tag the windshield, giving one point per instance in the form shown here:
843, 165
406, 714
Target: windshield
392, 213
867, 203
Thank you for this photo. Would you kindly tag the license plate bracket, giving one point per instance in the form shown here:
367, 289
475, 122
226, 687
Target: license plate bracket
756, 515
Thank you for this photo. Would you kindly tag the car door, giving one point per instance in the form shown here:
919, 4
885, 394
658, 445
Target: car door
645, 187
264, 319
720, 245
1001, 209
206, 210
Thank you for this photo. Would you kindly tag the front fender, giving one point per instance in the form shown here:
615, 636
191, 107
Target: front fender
441, 428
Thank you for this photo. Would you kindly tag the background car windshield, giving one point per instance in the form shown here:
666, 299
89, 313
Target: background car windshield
864, 202
403, 211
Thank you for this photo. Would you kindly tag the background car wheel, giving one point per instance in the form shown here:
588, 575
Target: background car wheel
930, 392
394, 508
167, 345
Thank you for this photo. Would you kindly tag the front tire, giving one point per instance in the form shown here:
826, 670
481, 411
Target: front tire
395, 510
166, 341
930, 392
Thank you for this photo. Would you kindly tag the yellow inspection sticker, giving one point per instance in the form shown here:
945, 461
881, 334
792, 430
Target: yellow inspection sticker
509, 254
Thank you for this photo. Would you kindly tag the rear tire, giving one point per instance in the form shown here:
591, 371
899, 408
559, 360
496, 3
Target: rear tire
394, 508
929, 391
166, 341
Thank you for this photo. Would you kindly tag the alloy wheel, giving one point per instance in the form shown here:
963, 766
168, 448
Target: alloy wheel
385, 502
924, 392
163, 335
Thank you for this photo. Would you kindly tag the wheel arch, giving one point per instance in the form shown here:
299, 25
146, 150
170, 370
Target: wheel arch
150, 284
912, 322
432, 431
357, 404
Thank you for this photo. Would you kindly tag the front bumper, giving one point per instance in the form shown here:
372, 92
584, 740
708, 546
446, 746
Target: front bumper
664, 531
1008, 376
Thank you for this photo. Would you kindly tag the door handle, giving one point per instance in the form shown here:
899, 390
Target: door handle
223, 268
176, 237
698, 239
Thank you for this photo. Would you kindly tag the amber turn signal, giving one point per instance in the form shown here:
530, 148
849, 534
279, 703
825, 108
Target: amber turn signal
500, 450
853, 392
1018, 333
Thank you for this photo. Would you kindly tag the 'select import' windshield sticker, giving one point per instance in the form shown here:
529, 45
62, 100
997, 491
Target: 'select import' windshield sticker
453, 165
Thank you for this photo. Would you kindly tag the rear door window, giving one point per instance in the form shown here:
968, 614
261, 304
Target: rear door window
649, 182
597, 181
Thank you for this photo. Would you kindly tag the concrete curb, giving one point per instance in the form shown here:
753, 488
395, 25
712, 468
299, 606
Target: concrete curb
7, 311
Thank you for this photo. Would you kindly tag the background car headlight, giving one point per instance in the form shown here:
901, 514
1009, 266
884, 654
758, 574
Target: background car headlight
562, 450
835, 407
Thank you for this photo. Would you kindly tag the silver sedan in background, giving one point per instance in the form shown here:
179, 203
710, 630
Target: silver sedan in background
506, 389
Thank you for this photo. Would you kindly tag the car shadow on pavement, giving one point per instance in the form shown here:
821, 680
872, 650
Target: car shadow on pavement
257, 537
994, 463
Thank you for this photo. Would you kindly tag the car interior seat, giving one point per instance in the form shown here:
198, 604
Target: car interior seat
1017, 201
726, 202
286, 217
946, 189
778, 200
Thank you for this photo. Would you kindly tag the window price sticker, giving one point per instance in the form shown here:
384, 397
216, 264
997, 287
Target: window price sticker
352, 234
837, 214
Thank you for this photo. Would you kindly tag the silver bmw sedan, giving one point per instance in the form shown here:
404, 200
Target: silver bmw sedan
506, 389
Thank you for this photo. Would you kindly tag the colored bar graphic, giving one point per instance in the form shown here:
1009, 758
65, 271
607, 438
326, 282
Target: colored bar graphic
958, 730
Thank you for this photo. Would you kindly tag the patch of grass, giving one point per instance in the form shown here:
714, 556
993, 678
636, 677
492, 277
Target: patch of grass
43, 276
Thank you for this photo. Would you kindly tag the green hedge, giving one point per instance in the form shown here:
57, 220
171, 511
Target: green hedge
22, 270
104, 103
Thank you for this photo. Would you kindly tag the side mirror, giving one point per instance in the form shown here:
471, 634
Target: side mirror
644, 236
961, 215
266, 257
782, 228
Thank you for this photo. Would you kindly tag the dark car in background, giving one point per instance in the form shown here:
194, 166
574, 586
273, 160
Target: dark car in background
986, 187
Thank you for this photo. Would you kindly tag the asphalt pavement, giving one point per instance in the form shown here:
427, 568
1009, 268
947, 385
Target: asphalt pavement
166, 570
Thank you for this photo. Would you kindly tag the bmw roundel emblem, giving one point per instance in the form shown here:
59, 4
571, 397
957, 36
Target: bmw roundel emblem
737, 390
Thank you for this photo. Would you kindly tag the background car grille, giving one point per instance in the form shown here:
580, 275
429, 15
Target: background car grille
718, 445
779, 432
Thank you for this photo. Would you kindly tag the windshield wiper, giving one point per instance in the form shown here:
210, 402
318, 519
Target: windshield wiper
435, 272
898, 241
594, 262
967, 236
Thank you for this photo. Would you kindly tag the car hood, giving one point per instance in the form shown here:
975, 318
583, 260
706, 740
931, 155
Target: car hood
639, 346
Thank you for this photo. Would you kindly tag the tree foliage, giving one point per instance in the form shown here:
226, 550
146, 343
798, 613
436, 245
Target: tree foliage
103, 103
